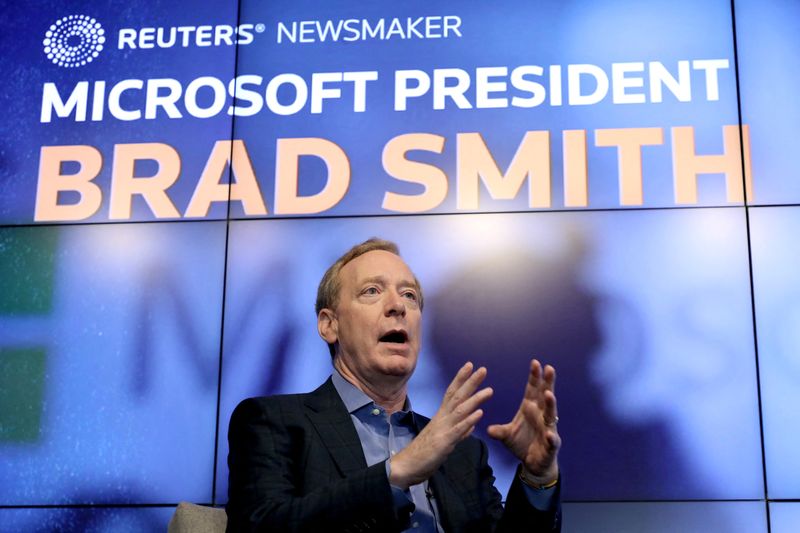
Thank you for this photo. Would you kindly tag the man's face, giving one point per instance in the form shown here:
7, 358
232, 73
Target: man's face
377, 318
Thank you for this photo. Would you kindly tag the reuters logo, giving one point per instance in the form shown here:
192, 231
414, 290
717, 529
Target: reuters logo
74, 41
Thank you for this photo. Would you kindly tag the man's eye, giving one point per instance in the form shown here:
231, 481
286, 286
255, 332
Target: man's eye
371, 290
410, 295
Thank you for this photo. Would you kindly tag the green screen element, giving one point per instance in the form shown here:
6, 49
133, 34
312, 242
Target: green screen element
22, 373
27, 259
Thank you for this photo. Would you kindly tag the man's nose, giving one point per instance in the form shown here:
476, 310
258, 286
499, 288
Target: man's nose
395, 304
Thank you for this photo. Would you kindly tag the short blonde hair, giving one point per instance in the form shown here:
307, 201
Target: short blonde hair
329, 286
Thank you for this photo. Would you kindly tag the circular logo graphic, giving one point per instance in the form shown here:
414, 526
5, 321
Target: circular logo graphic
74, 41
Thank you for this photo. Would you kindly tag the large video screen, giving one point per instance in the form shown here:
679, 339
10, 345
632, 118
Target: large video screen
610, 187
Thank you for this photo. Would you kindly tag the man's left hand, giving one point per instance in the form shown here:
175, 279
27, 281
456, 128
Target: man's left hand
532, 435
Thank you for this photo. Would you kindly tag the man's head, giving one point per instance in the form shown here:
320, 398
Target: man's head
369, 307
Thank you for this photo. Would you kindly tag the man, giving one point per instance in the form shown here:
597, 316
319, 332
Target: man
352, 456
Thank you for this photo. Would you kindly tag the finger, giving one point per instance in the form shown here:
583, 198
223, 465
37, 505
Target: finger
553, 442
542, 420
541, 379
534, 379
499, 431
470, 404
536, 372
533, 415
469, 386
550, 406
550, 377
465, 427
461, 376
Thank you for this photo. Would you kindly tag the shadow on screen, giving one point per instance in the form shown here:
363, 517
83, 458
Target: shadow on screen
509, 307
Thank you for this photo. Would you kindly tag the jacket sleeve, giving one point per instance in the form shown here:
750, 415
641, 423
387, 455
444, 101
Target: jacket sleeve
278, 483
517, 515
520, 516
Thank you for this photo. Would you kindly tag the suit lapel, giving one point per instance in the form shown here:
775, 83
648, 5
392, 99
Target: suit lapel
448, 500
451, 506
330, 419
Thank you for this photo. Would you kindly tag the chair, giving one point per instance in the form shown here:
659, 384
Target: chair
191, 518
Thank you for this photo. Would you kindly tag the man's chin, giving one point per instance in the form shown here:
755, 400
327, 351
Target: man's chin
398, 371
399, 363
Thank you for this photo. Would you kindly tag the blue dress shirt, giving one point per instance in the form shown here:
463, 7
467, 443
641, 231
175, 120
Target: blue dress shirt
382, 436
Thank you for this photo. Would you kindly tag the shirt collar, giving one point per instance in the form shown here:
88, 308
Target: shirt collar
353, 397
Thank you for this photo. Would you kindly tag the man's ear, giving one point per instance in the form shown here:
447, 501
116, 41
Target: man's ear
328, 326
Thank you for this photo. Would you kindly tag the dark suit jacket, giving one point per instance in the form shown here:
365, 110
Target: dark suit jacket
296, 464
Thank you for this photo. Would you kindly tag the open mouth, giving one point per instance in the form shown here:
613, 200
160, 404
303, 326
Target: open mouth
396, 336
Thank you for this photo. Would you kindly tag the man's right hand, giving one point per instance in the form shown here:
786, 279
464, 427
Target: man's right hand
454, 421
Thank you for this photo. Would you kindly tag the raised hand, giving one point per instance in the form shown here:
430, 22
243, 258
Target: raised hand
532, 435
454, 421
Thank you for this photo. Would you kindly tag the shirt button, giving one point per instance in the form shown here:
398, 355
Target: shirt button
415, 525
376, 411
393, 452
